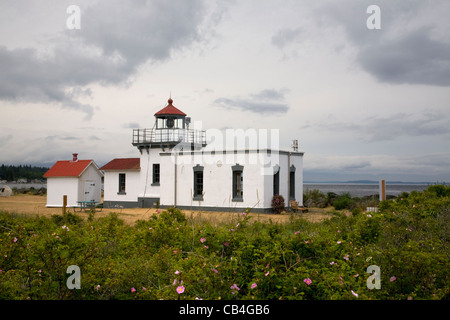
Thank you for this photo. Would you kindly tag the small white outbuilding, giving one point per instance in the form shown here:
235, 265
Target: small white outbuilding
80, 180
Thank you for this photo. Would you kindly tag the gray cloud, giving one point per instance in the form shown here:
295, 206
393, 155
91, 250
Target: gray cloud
411, 47
375, 129
270, 94
138, 30
115, 38
27, 77
414, 58
61, 138
131, 125
265, 101
419, 166
4, 140
285, 36
94, 138
358, 165
77, 92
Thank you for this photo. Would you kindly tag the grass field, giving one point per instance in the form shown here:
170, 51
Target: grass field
35, 205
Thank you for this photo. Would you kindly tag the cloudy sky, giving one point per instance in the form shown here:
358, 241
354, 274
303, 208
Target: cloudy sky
363, 103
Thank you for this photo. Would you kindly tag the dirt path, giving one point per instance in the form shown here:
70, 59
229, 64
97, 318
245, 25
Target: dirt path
35, 205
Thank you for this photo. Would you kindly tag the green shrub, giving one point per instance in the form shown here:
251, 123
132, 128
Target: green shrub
314, 198
356, 211
343, 201
67, 218
407, 238
331, 196
439, 190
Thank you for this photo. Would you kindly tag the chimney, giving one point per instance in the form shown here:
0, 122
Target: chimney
75, 157
295, 145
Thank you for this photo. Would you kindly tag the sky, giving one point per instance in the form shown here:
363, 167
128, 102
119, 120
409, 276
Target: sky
363, 102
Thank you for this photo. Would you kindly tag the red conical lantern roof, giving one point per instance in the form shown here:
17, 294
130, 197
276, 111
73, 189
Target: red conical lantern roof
170, 110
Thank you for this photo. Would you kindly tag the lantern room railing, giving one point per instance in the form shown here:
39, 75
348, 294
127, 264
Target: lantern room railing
168, 136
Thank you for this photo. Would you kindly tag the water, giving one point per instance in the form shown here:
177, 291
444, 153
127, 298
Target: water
360, 189
26, 185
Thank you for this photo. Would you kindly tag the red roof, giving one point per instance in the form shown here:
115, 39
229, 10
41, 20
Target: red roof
68, 168
123, 164
170, 110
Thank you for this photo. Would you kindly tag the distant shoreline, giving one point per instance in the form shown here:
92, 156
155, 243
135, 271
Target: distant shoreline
20, 185
364, 189
370, 182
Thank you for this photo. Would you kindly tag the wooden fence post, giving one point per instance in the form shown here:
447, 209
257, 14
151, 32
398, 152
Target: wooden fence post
382, 190
64, 204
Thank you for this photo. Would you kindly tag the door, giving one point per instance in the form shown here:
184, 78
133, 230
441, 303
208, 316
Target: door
89, 191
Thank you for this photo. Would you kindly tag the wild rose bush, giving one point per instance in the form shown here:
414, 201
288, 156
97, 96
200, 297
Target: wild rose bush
278, 203
172, 256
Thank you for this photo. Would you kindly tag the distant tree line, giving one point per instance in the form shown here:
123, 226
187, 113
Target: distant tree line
13, 173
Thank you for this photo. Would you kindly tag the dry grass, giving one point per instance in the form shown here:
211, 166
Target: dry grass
35, 205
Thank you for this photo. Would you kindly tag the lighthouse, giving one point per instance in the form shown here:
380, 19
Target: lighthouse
170, 132
175, 170
171, 128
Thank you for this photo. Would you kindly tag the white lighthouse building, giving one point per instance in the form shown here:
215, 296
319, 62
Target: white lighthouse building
176, 168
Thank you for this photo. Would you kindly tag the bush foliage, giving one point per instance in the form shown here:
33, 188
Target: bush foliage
316, 198
407, 238
278, 204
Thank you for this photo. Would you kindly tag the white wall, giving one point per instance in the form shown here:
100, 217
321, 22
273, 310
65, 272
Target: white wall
218, 188
217, 179
147, 190
297, 161
167, 182
284, 163
111, 185
57, 187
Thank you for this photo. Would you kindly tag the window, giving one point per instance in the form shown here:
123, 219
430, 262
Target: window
198, 183
238, 182
276, 180
121, 183
155, 174
292, 183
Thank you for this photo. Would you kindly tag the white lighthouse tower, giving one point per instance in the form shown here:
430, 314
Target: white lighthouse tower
171, 129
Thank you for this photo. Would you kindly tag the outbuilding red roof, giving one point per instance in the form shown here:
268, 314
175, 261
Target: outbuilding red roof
123, 164
170, 110
68, 168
